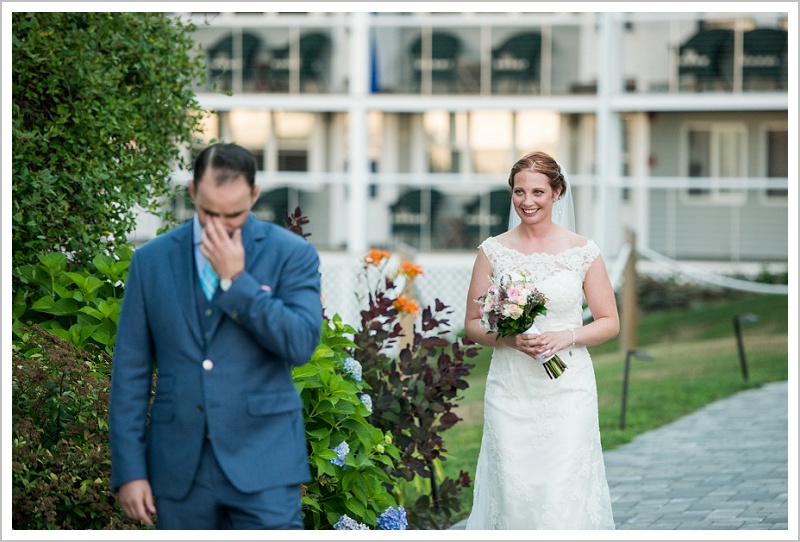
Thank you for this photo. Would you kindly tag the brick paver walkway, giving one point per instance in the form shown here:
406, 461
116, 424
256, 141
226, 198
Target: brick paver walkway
722, 467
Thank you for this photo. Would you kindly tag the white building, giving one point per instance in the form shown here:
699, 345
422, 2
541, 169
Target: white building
398, 129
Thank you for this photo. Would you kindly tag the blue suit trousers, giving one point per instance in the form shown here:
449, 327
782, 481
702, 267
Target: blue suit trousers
213, 504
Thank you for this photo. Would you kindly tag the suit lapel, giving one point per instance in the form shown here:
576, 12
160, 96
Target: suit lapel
251, 235
183, 273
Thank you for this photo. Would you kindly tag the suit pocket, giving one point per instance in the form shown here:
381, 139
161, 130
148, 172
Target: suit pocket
163, 412
264, 404
164, 383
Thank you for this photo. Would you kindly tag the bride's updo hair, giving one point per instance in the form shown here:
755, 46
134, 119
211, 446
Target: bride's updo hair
541, 162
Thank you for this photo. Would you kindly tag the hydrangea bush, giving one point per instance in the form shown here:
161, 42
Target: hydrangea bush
349, 457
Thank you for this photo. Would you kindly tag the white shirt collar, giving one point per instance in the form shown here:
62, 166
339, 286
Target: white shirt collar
197, 230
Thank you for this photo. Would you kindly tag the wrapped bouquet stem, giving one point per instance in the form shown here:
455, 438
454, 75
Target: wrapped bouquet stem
510, 306
552, 364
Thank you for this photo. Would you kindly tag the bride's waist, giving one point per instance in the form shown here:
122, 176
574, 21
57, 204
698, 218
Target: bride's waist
565, 354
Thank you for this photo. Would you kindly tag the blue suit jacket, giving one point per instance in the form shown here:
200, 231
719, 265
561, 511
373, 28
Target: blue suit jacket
234, 384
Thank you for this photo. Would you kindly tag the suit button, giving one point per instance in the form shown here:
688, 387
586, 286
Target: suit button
200, 408
209, 312
235, 315
208, 365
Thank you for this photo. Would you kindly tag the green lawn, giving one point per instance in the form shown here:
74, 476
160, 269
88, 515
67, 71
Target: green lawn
695, 362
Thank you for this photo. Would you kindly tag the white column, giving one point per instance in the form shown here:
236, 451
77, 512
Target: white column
585, 149
358, 152
608, 157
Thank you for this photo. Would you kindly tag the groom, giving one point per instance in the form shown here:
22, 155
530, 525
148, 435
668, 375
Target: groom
224, 306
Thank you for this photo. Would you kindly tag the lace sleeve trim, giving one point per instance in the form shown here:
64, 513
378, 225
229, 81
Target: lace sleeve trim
590, 254
490, 247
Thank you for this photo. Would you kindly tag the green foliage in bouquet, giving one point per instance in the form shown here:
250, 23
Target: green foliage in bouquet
348, 455
61, 464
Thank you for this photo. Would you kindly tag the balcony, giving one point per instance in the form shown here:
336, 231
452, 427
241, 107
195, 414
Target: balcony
496, 55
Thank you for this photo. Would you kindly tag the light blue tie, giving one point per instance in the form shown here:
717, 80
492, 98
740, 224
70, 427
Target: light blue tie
209, 281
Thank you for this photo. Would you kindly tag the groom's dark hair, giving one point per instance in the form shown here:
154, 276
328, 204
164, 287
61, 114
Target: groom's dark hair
228, 161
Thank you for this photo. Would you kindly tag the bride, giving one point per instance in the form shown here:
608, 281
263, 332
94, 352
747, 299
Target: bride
541, 464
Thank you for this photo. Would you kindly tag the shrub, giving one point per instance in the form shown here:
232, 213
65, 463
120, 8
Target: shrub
79, 304
102, 105
414, 391
657, 294
347, 453
60, 458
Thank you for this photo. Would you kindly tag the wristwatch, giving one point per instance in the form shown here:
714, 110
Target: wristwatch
226, 283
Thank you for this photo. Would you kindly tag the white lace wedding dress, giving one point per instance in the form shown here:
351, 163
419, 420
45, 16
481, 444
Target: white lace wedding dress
541, 464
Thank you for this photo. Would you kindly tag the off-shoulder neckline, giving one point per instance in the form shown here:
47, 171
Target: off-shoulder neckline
588, 243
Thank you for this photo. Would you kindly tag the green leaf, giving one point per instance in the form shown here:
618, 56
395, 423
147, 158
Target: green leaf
54, 263
79, 334
61, 307
308, 501
355, 507
43, 304
63, 292
20, 306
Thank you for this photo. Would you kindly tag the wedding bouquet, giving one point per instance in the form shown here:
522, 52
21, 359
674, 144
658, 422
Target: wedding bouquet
510, 306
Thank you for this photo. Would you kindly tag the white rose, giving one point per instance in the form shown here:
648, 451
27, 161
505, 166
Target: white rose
515, 311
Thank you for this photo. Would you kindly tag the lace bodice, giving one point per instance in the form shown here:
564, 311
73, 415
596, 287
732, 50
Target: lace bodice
558, 276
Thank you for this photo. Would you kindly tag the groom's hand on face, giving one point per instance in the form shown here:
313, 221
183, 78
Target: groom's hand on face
225, 253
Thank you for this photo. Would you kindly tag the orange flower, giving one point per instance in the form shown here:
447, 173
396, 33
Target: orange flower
410, 270
375, 256
404, 304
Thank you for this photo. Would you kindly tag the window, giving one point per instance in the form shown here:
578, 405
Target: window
777, 158
445, 137
249, 128
292, 160
715, 152
490, 138
293, 130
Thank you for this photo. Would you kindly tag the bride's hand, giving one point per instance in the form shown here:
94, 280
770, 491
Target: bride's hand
545, 344
527, 343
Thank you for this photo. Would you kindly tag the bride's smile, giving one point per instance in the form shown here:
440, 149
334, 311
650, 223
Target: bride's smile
532, 194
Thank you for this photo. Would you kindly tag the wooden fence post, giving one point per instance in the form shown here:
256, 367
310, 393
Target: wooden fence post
409, 291
629, 315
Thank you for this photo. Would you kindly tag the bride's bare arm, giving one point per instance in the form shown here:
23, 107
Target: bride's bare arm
600, 297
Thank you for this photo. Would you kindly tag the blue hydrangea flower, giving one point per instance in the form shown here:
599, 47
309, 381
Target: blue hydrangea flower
367, 400
341, 451
353, 367
393, 519
347, 523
